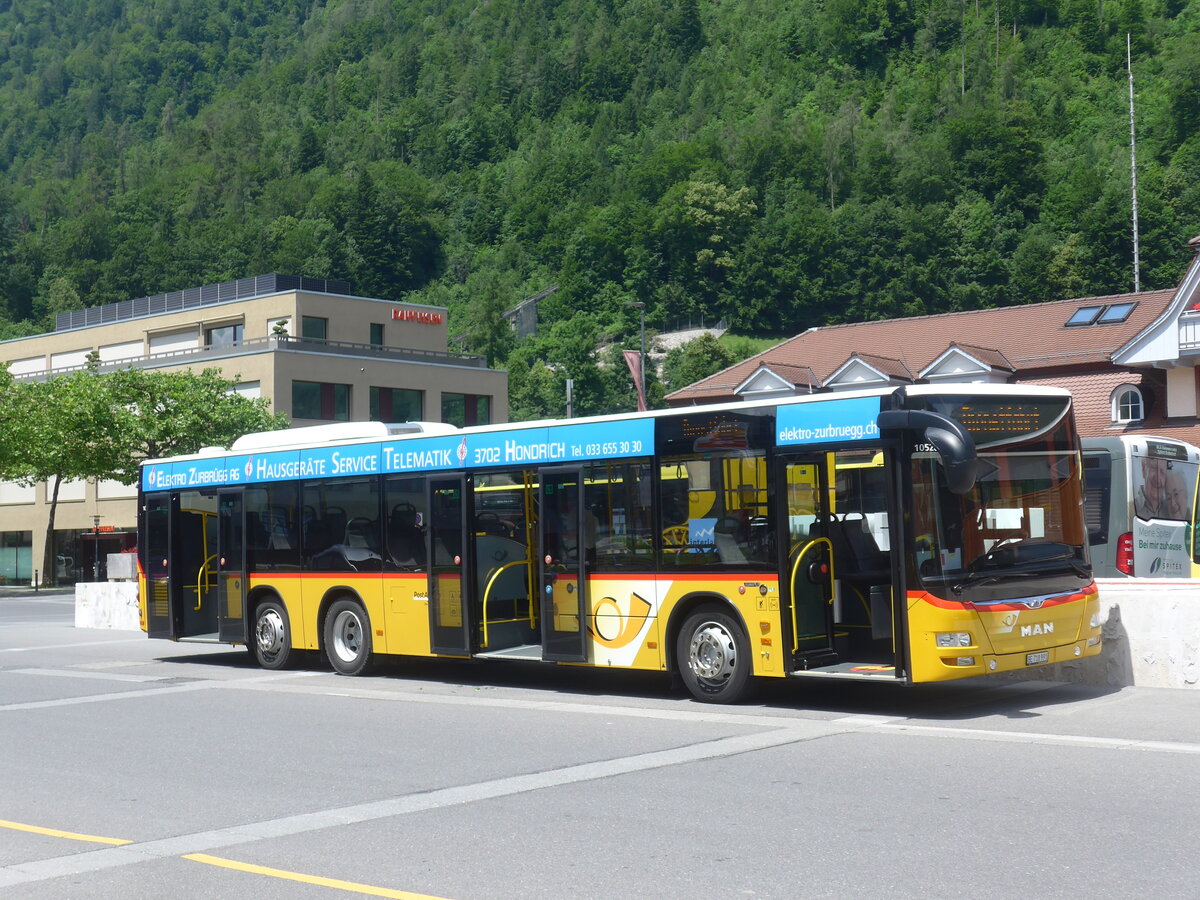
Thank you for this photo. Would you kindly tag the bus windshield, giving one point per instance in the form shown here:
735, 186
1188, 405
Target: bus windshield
1020, 520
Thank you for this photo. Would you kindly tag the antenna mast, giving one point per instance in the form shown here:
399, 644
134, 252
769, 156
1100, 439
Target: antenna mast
1137, 281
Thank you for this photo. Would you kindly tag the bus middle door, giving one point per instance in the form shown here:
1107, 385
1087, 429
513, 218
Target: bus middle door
807, 565
450, 583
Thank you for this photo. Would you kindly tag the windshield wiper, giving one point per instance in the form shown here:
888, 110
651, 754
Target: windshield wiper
986, 576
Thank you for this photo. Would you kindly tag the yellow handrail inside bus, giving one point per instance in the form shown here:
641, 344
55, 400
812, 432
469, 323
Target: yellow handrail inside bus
487, 591
202, 579
792, 583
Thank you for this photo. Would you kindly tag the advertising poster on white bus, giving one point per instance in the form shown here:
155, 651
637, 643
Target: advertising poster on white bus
1163, 479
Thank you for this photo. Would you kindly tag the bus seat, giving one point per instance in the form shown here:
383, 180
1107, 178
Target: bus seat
856, 556
406, 541
256, 532
317, 537
361, 532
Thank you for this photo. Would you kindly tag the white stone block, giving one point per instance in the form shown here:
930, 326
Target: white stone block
107, 604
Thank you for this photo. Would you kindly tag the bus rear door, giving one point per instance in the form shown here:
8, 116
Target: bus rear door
156, 535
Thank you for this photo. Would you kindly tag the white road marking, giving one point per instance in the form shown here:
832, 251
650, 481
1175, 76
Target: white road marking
99, 676
772, 731
141, 640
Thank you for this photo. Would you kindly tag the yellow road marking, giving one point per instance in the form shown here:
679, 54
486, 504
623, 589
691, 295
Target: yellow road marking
70, 835
308, 879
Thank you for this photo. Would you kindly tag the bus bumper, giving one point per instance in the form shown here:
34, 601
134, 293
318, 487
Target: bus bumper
987, 663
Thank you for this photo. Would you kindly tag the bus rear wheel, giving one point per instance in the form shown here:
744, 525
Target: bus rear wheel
348, 638
272, 635
713, 656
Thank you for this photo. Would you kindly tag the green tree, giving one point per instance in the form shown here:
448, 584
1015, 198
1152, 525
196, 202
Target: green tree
158, 414
92, 425
65, 431
695, 360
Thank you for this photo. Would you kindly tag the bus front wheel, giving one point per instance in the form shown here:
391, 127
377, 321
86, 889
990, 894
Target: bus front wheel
713, 656
272, 636
348, 638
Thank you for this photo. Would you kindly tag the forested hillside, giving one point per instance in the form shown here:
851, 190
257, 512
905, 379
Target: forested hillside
778, 163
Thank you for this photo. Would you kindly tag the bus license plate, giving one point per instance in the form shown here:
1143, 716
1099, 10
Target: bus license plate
1036, 659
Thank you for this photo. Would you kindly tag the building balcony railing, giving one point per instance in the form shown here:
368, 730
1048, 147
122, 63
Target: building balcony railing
272, 344
1189, 332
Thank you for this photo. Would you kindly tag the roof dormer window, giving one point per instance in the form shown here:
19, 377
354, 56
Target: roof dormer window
1127, 405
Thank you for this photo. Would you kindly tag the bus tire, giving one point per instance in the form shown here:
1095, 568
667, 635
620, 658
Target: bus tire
348, 638
712, 655
272, 638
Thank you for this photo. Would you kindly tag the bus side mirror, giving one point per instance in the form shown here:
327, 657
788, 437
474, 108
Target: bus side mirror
958, 459
949, 437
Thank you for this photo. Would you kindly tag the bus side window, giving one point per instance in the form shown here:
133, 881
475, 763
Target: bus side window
404, 503
1097, 493
617, 497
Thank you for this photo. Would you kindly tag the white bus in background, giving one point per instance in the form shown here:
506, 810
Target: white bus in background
1139, 502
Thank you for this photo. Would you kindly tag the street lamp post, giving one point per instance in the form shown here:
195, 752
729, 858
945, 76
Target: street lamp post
641, 308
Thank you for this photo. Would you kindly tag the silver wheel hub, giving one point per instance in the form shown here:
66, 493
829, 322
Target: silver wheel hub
712, 653
269, 632
347, 636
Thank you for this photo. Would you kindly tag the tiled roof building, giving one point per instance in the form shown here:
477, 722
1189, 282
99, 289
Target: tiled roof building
1129, 359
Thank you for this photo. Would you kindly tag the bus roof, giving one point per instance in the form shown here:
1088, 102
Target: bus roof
350, 433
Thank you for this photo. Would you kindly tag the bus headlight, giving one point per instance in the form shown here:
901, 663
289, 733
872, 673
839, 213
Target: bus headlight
953, 638
1095, 620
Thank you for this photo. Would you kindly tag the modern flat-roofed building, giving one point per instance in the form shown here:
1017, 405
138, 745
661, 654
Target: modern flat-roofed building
310, 347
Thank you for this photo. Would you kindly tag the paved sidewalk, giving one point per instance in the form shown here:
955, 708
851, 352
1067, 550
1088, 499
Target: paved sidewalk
17, 591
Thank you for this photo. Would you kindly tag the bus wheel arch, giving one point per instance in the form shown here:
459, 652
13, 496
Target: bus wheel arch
710, 649
346, 632
271, 632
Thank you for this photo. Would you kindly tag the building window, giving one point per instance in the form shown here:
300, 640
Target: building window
223, 335
465, 410
395, 405
313, 328
1127, 404
318, 400
376, 334
16, 556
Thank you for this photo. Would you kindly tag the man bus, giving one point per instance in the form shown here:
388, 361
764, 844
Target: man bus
908, 535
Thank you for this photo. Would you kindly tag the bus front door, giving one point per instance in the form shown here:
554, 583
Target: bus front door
450, 584
231, 567
564, 538
807, 574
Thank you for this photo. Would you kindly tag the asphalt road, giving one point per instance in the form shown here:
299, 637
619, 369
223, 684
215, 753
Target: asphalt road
132, 768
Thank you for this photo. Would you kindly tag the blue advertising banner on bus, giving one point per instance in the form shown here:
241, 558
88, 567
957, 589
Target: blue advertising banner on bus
824, 421
544, 445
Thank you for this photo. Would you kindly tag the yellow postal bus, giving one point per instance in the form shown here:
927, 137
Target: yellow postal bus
908, 535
